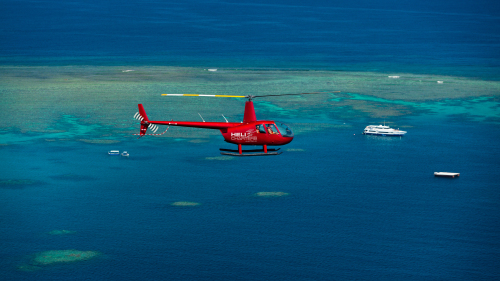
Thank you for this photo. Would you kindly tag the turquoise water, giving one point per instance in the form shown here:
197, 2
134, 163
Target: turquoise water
478, 109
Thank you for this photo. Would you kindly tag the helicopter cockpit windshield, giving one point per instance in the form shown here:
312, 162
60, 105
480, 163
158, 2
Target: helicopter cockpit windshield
284, 130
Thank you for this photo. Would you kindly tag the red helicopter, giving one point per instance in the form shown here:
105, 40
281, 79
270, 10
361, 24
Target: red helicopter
249, 132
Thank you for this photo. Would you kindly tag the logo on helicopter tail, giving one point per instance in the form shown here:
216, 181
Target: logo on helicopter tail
246, 136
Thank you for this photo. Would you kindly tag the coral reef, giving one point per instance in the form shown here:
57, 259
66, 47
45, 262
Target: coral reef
19, 183
71, 177
47, 258
185, 204
220, 158
94, 112
271, 194
295, 149
61, 232
28, 268
62, 256
97, 141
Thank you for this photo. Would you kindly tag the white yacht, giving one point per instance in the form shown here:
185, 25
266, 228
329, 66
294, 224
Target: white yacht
382, 130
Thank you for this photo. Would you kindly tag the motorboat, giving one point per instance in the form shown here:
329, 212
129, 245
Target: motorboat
446, 174
125, 154
382, 130
114, 152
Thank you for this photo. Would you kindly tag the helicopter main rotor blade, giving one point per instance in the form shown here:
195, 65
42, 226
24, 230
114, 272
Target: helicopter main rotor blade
197, 95
295, 94
249, 97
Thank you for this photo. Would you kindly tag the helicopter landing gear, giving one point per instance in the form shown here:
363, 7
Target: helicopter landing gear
253, 152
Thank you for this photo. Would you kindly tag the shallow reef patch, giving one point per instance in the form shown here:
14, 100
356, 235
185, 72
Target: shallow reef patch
295, 149
28, 268
271, 194
71, 177
61, 232
97, 141
220, 158
17, 183
62, 256
185, 204
52, 257
199, 141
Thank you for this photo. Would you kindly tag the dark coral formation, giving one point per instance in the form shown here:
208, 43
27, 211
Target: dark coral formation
17, 184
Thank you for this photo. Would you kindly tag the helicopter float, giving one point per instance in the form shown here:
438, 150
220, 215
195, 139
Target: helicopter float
248, 132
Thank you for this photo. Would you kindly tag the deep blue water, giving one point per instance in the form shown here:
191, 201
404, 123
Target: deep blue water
359, 207
443, 37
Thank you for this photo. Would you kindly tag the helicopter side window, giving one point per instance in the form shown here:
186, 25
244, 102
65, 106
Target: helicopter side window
271, 129
260, 129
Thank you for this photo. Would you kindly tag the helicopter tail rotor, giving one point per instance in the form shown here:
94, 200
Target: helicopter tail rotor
141, 116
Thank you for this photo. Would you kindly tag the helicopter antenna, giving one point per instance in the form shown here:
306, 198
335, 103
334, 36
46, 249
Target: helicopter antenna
225, 118
201, 117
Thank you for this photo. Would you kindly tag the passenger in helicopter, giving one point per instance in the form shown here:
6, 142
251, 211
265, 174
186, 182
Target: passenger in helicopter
271, 129
260, 129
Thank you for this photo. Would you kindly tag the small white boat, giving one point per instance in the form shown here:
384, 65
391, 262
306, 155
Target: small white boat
114, 152
446, 174
382, 130
125, 154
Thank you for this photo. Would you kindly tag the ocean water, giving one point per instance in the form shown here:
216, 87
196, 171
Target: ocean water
443, 37
353, 207
358, 207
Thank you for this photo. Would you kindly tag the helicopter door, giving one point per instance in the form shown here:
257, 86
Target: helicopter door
271, 129
260, 129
